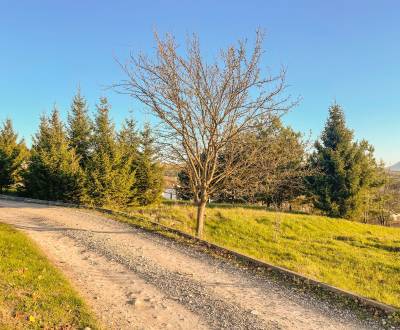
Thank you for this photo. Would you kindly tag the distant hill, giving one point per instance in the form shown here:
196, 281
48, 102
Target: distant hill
395, 167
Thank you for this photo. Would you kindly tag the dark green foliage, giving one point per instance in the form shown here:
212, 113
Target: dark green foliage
54, 172
109, 170
129, 142
183, 190
284, 167
347, 169
148, 171
13, 156
129, 138
90, 162
275, 169
79, 129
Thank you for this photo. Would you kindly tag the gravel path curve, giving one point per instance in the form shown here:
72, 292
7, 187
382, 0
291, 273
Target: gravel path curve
133, 279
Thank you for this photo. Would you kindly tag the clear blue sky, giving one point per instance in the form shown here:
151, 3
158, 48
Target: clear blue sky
348, 51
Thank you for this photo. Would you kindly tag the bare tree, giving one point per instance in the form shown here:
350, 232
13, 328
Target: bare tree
203, 107
383, 202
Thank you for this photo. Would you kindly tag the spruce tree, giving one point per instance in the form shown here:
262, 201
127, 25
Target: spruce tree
79, 128
109, 178
183, 190
13, 156
54, 172
346, 169
129, 139
128, 142
149, 173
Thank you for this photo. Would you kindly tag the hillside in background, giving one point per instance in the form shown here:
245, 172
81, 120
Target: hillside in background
395, 167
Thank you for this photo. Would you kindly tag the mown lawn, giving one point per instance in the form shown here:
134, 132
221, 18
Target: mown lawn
364, 259
33, 294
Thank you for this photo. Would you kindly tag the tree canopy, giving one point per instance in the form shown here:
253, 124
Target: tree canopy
54, 172
347, 169
13, 156
109, 174
203, 107
79, 128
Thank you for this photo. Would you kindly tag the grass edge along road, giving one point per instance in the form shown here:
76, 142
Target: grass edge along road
33, 293
364, 259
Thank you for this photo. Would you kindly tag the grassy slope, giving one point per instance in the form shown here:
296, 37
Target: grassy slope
364, 259
33, 294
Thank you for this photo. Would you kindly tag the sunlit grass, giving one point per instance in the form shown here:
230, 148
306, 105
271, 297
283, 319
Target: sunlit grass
33, 294
364, 259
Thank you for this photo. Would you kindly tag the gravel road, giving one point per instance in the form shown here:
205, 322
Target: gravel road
133, 279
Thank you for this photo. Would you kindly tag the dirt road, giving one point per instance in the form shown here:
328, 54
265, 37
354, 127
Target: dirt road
137, 280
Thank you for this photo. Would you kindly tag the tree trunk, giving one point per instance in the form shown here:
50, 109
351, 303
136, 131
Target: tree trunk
201, 211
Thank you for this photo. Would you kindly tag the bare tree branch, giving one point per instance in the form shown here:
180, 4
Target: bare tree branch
203, 107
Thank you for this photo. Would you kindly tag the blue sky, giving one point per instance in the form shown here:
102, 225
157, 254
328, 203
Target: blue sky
348, 51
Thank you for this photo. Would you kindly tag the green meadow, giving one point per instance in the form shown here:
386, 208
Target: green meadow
364, 259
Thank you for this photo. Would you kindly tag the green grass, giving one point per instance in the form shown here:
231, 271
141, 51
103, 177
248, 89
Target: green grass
364, 259
33, 294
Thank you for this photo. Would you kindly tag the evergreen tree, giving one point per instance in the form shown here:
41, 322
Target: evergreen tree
54, 172
128, 142
13, 156
149, 174
347, 169
79, 128
183, 190
109, 178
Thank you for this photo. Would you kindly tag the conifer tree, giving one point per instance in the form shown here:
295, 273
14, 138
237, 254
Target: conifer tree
79, 128
347, 169
183, 189
129, 139
128, 142
13, 156
54, 172
109, 178
149, 173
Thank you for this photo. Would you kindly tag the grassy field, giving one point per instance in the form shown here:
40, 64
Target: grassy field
364, 259
33, 294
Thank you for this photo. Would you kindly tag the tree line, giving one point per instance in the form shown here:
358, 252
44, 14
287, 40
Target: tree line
219, 123
84, 160
339, 177
88, 161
